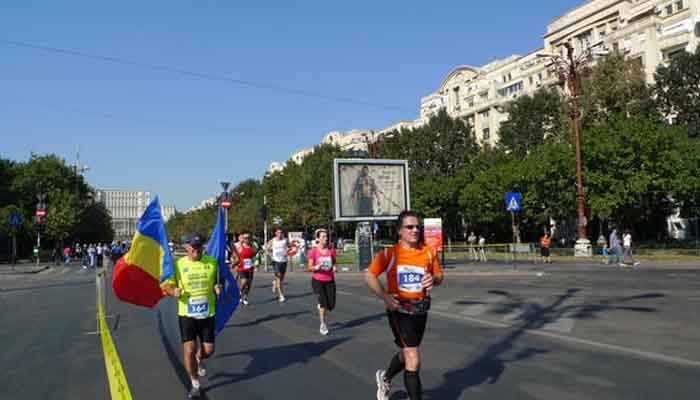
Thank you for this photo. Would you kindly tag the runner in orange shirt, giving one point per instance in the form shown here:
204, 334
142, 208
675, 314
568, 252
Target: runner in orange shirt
545, 242
412, 270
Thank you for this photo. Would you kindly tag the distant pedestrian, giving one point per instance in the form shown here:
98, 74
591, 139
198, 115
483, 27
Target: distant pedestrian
100, 255
66, 254
615, 250
471, 241
482, 248
92, 255
545, 242
627, 244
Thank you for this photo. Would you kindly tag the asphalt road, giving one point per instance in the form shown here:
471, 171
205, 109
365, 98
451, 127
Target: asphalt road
568, 332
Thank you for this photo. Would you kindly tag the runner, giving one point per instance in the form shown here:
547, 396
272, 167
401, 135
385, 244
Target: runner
412, 269
195, 288
322, 264
279, 247
244, 255
545, 242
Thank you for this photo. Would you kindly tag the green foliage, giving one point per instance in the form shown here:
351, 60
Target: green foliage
616, 85
532, 120
678, 90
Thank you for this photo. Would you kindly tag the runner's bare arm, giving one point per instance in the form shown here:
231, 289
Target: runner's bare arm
378, 289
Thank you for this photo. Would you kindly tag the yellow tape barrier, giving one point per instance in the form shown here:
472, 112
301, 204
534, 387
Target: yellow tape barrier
118, 387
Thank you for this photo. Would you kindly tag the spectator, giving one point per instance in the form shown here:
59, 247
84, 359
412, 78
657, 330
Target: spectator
482, 248
66, 254
615, 251
471, 241
627, 244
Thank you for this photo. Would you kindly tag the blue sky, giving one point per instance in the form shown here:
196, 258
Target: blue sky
179, 135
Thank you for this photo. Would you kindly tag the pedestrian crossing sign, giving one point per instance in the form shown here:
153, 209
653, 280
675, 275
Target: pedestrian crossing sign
513, 201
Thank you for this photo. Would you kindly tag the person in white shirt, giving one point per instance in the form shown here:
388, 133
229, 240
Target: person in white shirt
627, 246
278, 247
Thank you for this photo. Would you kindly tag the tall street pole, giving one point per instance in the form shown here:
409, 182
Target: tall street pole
575, 88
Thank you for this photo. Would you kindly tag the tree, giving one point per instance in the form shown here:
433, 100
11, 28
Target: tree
64, 214
678, 90
532, 120
616, 85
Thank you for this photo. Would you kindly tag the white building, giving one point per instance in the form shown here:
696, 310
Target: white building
126, 207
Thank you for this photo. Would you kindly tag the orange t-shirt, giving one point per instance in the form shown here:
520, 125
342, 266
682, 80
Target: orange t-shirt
545, 241
405, 269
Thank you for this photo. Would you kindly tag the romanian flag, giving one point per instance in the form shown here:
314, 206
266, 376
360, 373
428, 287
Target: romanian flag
137, 276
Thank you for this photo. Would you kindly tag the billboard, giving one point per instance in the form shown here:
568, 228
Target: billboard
432, 228
370, 190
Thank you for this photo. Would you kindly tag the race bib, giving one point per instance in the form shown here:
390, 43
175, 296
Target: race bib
326, 263
198, 307
410, 278
279, 254
248, 263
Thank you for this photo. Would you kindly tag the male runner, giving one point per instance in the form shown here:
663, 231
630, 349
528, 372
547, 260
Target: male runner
196, 288
278, 246
244, 255
412, 269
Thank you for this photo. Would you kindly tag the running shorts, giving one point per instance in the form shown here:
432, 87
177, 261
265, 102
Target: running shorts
407, 329
193, 328
544, 251
247, 275
280, 268
325, 292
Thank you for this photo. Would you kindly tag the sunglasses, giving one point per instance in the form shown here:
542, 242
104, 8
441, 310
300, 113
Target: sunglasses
412, 227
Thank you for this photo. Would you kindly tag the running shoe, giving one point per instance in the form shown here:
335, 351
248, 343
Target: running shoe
274, 290
323, 329
194, 393
245, 301
383, 387
282, 299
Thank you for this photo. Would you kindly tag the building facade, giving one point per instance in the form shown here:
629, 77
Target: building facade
648, 31
126, 207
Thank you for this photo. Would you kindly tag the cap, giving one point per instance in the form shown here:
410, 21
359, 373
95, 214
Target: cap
194, 239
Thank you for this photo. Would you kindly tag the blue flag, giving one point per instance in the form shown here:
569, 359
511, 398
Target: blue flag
228, 300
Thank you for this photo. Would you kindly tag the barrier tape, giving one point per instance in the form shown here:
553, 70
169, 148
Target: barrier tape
118, 387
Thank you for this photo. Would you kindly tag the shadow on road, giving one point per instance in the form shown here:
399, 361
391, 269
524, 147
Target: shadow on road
488, 366
288, 297
268, 318
339, 326
54, 285
264, 361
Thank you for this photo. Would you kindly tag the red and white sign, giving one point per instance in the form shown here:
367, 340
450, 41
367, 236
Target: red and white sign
41, 213
432, 227
226, 203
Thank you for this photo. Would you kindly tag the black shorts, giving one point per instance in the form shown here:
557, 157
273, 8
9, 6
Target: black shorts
325, 292
280, 268
408, 329
544, 251
193, 328
247, 275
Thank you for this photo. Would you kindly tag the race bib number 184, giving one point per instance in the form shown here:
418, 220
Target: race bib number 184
410, 278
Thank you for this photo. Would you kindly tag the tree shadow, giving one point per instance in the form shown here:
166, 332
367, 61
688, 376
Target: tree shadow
268, 318
490, 364
264, 361
339, 326
49, 286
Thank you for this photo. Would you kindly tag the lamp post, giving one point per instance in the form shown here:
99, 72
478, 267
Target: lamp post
225, 202
568, 68
40, 215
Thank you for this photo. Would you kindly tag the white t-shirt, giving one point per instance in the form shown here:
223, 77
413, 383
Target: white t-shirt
279, 250
627, 240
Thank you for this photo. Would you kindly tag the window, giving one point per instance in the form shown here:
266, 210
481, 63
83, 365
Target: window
511, 90
486, 134
484, 116
530, 80
669, 9
679, 5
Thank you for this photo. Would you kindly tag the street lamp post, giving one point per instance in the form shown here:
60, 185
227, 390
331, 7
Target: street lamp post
569, 70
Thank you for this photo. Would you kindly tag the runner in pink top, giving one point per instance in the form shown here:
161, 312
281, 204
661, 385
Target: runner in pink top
322, 264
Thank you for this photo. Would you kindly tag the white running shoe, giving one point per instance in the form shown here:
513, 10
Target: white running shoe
282, 299
245, 301
194, 393
274, 290
323, 329
383, 387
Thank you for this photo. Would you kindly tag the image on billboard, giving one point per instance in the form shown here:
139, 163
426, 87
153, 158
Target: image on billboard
367, 190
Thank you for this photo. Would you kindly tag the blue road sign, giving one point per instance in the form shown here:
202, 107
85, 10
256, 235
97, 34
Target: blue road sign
15, 219
513, 201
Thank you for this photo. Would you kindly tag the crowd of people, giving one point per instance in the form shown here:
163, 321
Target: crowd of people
90, 255
411, 267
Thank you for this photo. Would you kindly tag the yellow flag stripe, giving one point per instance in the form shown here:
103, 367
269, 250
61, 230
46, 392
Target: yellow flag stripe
147, 254
118, 387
